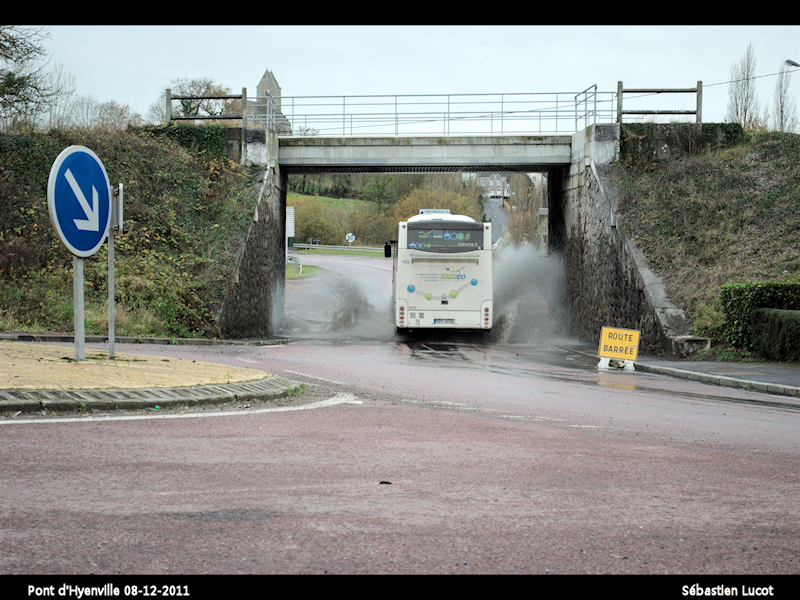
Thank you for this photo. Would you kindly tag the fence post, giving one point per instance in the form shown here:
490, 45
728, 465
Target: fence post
699, 102
619, 102
244, 127
169, 106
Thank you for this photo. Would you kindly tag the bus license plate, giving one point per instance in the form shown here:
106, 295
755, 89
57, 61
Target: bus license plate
444, 321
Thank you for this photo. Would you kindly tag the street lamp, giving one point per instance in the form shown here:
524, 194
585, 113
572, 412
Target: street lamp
791, 63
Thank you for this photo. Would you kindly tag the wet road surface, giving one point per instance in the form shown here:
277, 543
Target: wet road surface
443, 456
444, 459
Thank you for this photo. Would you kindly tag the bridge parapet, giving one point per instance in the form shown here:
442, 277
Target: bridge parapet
383, 154
541, 113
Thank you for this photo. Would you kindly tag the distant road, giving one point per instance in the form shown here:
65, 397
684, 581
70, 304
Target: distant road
498, 215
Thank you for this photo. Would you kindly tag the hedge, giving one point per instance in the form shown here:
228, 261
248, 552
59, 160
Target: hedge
775, 333
739, 300
201, 139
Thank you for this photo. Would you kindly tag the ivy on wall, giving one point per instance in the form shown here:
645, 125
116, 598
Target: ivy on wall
210, 140
639, 142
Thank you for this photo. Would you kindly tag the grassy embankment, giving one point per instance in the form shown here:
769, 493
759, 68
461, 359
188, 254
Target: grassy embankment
723, 216
185, 215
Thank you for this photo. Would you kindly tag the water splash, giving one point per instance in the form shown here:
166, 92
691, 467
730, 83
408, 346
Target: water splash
335, 306
529, 301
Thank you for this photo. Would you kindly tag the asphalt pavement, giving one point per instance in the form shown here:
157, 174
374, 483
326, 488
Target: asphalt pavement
781, 380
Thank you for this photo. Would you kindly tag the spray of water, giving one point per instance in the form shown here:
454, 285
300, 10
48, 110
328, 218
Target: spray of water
335, 306
528, 296
528, 303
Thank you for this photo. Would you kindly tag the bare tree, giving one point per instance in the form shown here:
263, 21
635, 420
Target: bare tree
22, 87
188, 107
112, 115
82, 112
57, 116
742, 100
785, 112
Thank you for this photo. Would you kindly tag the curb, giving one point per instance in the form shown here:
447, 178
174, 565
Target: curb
125, 399
68, 338
721, 380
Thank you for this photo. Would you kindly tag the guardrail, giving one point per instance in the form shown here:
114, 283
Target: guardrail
323, 247
192, 108
548, 113
545, 113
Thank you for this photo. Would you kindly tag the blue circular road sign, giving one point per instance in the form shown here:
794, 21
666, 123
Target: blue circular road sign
79, 200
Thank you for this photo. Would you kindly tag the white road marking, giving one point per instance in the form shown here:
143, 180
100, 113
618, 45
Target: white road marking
320, 378
337, 399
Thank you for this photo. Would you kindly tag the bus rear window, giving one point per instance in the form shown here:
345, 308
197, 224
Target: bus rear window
445, 240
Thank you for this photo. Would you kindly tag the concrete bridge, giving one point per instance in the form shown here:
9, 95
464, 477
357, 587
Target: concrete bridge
424, 154
608, 281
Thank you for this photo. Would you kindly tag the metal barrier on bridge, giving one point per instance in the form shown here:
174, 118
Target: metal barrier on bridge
546, 113
552, 113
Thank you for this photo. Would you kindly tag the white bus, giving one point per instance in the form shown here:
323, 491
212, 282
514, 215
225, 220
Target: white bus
442, 274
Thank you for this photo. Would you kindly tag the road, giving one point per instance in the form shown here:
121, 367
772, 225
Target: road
498, 215
440, 456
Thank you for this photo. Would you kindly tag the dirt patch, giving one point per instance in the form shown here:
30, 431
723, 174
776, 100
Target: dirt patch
46, 367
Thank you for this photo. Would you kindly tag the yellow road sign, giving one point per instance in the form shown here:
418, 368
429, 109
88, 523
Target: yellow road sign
622, 344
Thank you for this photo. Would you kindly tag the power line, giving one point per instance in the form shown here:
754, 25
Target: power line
748, 78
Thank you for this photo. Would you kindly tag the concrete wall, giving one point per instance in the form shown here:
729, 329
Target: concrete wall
254, 302
608, 280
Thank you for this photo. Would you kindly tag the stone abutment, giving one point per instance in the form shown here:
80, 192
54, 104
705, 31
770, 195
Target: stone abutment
609, 282
254, 301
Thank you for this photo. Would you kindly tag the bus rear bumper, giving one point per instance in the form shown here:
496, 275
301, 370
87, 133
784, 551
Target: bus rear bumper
444, 319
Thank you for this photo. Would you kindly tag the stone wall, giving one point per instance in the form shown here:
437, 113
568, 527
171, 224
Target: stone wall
254, 302
608, 280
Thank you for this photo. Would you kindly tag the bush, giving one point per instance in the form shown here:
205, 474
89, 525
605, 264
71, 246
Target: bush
372, 229
775, 333
314, 219
739, 300
202, 140
433, 198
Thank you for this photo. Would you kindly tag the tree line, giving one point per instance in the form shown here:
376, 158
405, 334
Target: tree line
34, 97
388, 199
744, 106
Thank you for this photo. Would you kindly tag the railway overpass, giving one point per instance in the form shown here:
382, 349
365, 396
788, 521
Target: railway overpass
424, 154
608, 281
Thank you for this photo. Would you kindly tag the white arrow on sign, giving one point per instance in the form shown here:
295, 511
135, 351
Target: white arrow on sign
92, 223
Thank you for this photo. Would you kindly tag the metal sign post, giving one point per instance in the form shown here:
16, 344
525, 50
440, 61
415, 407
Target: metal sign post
116, 227
79, 203
77, 308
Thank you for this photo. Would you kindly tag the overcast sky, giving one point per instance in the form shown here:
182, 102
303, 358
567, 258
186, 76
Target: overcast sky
133, 64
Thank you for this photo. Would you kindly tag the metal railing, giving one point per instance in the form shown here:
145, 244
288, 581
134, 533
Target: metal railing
345, 248
262, 111
551, 113
546, 113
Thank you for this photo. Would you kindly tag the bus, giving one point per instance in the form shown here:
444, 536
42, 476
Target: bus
442, 272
